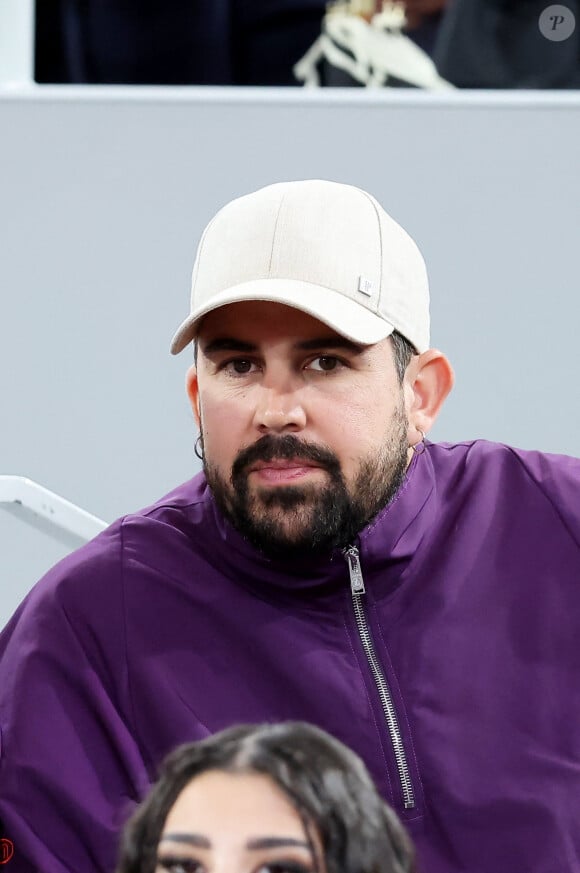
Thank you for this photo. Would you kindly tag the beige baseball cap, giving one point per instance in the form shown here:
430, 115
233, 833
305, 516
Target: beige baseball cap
326, 248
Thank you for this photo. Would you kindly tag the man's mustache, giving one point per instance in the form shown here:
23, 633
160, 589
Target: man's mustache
284, 448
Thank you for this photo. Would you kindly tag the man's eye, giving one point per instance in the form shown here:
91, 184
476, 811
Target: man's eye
238, 366
325, 363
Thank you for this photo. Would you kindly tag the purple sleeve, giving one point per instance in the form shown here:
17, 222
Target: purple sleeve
558, 477
70, 768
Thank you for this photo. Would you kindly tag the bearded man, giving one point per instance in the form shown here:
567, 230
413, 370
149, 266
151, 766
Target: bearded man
420, 601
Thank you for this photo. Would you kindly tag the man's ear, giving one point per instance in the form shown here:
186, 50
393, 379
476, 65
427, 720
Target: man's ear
192, 388
430, 378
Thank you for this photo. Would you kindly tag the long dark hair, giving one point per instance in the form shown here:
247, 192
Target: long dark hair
327, 784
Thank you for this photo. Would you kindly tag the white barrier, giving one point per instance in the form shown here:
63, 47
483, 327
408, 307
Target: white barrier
16, 42
48, 512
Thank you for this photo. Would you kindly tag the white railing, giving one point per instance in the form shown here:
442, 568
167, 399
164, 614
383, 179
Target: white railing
48, 512
16, 42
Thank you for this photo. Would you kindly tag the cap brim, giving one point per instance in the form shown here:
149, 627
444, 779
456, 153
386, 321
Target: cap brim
347, 317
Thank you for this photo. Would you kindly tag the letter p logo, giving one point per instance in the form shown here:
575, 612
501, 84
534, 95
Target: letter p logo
557, 23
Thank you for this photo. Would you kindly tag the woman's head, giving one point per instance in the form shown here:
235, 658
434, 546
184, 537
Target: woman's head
284, 797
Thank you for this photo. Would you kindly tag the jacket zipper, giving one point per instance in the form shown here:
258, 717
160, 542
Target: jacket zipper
357, 588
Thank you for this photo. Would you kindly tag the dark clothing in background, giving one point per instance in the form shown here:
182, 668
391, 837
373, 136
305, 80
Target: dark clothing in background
498, 44
425, 35
172, 42
474, 43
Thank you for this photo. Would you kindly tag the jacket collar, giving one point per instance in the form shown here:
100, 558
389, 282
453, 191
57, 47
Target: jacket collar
388, 542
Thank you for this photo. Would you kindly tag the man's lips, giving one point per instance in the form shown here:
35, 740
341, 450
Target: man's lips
278, 470
282, 464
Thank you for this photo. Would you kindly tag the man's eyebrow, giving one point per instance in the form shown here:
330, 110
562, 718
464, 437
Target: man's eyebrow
231, 344
227, 344
196, 840
275, 843
330, 342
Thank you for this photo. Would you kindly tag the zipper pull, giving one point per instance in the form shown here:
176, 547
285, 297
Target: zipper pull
357, 584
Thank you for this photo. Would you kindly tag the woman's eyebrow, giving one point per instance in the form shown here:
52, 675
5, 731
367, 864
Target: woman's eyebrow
255, 843
196, 840
275, 843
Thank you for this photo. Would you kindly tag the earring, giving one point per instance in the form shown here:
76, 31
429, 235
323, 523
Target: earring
419, 447
198, 447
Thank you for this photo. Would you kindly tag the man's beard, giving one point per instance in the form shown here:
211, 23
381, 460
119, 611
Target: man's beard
289, 521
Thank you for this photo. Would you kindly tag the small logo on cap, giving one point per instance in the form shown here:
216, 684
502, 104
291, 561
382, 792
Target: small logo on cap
366, 286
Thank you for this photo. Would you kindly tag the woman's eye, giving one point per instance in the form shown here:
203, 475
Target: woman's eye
285, 867
325, 363
178, 865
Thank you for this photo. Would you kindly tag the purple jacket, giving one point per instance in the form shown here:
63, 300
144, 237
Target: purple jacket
444, 648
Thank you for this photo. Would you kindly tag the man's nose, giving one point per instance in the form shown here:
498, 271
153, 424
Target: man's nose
279, 409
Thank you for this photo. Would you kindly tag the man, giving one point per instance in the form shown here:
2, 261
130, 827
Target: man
419, 601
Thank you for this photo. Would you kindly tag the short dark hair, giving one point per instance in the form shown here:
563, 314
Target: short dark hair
403, 351
327, 784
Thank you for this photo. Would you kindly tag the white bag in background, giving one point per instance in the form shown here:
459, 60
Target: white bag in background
352, 51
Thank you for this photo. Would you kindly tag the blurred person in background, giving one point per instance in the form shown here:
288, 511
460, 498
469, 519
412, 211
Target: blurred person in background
473, 43
285, 798
509, 44
173, 42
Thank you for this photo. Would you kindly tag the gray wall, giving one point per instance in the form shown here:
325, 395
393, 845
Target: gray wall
104, 192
